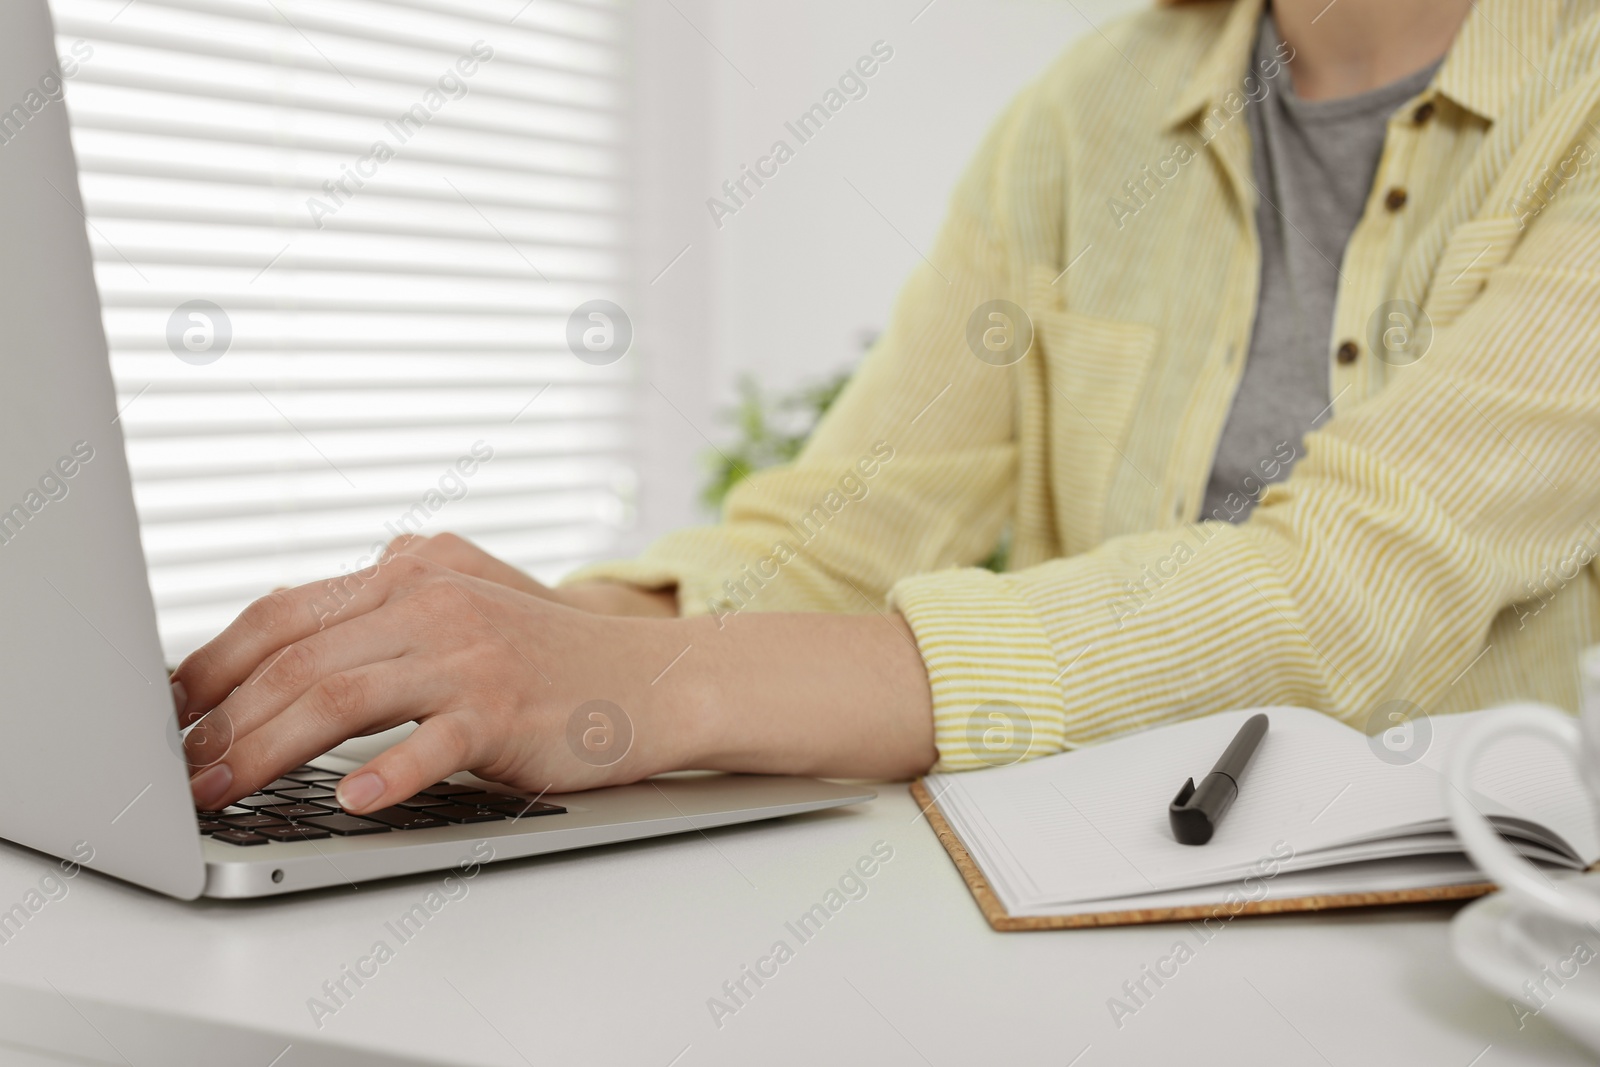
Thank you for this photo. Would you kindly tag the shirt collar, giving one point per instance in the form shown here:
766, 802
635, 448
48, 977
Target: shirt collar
1499, 47
1221, 70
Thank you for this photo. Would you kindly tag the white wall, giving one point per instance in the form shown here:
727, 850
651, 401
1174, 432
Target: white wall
786, 287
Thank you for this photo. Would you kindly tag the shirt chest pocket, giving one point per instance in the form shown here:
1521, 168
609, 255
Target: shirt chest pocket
1095, 371
1474, 251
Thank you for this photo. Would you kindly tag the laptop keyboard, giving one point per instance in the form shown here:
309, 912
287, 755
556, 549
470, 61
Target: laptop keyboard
300, 806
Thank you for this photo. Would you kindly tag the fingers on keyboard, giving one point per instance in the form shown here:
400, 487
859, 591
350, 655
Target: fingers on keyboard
300, 806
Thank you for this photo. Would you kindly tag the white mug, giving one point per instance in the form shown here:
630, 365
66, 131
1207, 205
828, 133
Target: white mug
1580, 737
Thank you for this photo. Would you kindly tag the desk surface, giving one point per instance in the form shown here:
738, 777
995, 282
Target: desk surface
611, 956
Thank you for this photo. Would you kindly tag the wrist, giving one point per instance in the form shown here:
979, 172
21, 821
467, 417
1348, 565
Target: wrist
672, 732
696, 697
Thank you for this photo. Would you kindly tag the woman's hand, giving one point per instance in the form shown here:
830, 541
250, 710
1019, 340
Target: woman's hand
462, 556
524, 691
497, 678
604, 598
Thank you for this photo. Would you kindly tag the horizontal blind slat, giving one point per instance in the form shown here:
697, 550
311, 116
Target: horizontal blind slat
309, 173
218, 540
394, 120
166, 461
535, 85
346, 29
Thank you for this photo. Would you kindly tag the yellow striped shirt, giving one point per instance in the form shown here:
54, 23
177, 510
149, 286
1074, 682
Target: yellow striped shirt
1433, 544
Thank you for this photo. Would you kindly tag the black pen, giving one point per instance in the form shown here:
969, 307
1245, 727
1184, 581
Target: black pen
1195, 813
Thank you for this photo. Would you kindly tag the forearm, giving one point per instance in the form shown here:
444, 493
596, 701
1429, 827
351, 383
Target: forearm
839, 695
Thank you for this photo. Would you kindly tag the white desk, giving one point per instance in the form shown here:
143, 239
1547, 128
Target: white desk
609, 957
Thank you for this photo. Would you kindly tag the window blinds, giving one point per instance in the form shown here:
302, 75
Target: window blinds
339, 243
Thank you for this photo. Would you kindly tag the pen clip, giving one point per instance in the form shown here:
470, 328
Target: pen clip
1182, 799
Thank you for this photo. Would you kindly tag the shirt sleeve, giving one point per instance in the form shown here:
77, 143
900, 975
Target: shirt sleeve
1374, 572
884, 489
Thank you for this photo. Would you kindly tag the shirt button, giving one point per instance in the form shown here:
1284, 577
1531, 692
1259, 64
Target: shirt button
1423, 113
1348, 352
1395, 198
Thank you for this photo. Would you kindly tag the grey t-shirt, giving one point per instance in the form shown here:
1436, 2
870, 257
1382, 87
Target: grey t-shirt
1313, 162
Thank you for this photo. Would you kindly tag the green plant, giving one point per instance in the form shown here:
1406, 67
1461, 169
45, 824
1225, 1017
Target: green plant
772, 430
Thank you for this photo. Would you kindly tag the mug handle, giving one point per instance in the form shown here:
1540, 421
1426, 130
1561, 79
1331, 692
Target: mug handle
1483, 843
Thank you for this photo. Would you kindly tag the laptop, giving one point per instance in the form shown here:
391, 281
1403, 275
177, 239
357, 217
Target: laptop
91, 765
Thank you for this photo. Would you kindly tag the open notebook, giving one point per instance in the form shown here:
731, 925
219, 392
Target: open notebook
1320, 820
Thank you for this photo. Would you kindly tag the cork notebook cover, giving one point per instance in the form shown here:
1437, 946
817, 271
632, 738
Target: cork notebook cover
1324, 817
995, 912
